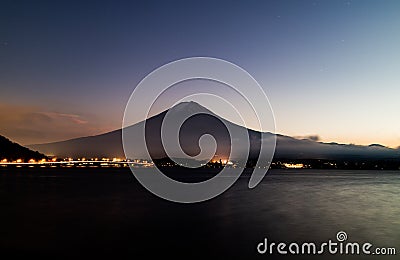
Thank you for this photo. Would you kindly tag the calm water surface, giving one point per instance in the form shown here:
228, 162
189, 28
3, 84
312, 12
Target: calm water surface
104, 211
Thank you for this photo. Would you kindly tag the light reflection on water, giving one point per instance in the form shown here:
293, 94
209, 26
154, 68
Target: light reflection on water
310, 205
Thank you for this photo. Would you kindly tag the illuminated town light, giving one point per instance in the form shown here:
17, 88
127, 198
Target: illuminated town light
293, 166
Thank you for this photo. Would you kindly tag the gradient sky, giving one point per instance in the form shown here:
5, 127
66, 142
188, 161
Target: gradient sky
330, 68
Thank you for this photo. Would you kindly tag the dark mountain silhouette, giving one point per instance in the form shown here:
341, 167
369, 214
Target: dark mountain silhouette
110, 144
13, 151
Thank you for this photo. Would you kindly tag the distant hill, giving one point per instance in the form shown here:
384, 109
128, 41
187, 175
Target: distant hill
13, 151
110, 144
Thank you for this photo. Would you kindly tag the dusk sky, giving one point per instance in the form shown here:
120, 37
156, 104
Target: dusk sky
329, 68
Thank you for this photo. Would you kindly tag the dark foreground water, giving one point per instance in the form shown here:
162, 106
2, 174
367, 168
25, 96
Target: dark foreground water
104, 211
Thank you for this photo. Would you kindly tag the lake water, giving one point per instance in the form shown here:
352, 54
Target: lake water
105, 211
